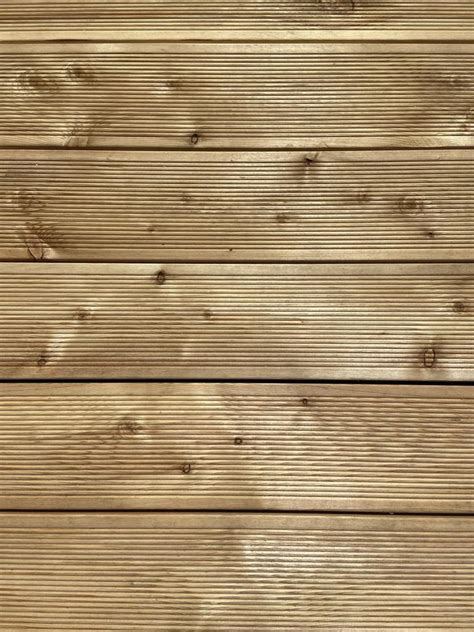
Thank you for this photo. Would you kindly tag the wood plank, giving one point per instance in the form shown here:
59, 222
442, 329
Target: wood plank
236, 19
402, 321
237, 446
199, 96
234, 572
139, 206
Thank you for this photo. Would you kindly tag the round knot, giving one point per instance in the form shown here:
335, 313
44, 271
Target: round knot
429, 357
160, 278
411, 205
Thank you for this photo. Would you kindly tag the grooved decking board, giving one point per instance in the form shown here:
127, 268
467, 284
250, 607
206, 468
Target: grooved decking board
199, 96
179, 572
97, 205
244, 446
236, 19
338, 321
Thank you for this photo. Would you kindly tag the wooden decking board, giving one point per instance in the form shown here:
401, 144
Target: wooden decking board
236, 19
201, 96
237, 446
139, 206
234, 572
228, 228
366, 321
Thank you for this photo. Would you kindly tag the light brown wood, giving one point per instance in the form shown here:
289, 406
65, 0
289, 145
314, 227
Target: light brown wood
364, 321
237, 446
138, 135
236, 19
234, 572
267, 206
198, 96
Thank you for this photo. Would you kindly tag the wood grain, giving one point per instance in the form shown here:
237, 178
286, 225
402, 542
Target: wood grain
236, 19
234, 572
267, 206
198, 96
364, 321
237, 446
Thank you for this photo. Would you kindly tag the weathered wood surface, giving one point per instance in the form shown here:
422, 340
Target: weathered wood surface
236, 19
139, 206
364, 321
234, 572
241, 446
199, 96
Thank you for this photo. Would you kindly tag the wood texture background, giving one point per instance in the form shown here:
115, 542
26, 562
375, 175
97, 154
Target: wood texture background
265, 206
222, 95
209, 211
236, 19
175, 571
237, 446
175, 321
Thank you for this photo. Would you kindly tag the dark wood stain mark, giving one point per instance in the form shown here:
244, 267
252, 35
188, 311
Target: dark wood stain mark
35, 81
411, 205
429, 357
459, 307
80, 73
82, 314
128, 427
160, 277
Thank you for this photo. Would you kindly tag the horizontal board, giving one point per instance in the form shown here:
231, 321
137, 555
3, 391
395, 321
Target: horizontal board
236, 19
197, 96
139, 206
214, 572
299, 321
245, 446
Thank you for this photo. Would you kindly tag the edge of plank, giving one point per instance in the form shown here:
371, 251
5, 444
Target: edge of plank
189, 35
110, 47
197, 520
285, 269
232, 388
324, 155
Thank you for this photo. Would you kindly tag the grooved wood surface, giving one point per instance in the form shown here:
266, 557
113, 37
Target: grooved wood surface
236, 19
235, 572
198, 96
237, 446
98, 205
170, 321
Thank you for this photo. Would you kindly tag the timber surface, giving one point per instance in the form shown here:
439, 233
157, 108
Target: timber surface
198, 96
178, 572
237, 321
236, 19
267, 206
237, 446
179, 209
